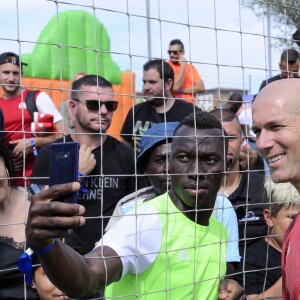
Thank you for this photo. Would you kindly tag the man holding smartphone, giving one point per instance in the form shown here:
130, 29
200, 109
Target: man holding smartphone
107, 165
170, 248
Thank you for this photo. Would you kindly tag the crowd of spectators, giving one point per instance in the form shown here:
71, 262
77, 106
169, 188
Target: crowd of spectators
181, 206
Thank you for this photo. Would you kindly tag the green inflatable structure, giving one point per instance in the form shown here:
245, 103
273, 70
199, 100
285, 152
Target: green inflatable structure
73, 41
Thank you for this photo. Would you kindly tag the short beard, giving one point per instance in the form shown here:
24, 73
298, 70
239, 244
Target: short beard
88, 129
157, 102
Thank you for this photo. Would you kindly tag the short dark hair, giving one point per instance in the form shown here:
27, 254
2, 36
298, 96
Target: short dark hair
290, 56
177, 42
234, 102
163, 68
202, 120
225, 115
88, 80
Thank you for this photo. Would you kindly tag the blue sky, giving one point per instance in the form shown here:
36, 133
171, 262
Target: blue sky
224, 40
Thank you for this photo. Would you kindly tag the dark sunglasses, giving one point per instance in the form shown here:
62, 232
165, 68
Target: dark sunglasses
96, 104
175, 52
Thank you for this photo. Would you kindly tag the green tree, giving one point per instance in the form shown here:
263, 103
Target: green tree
282, 12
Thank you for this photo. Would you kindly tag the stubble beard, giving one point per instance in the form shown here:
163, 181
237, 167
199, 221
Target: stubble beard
12, 92
87, 128
157, 101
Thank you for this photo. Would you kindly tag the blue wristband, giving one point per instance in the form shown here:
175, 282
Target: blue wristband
25, 261
46, 249
35, 153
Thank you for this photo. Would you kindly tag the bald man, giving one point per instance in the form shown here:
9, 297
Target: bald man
276, 123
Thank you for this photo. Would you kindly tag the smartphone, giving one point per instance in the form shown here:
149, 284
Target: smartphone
64, 159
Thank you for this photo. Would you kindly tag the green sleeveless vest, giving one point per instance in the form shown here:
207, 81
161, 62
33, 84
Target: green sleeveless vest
190, 264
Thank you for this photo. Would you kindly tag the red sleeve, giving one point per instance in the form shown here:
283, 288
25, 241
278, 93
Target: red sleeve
290, 261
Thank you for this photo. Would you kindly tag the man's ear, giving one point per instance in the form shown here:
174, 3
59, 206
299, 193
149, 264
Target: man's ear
268, 218
72, 105
169, 84
33, 284
242, 140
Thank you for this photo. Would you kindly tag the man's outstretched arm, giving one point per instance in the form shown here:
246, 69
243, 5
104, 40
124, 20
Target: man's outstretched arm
72, 273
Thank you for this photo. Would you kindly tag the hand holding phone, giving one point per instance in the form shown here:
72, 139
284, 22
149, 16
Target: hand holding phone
64, 159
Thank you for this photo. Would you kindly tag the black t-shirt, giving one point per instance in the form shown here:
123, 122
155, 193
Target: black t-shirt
145, 116
264, 264
248, 205
112, 179
265, 82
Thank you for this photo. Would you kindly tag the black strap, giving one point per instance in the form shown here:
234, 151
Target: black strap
30, 102
1, 126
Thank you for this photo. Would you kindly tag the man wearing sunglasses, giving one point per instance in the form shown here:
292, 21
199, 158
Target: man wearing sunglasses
160, 105
187, 82
106, 163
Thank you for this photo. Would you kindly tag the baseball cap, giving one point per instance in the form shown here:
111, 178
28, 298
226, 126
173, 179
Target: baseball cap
12, 58
157, 133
